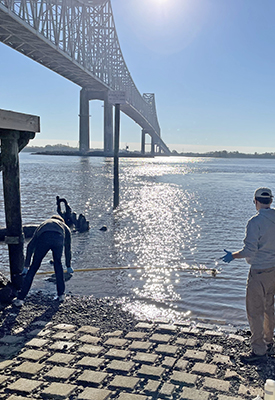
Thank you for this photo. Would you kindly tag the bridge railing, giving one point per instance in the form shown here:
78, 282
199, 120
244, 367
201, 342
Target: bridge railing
85, 30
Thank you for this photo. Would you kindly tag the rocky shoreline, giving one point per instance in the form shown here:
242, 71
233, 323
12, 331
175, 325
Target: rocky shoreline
108, 315
104, 313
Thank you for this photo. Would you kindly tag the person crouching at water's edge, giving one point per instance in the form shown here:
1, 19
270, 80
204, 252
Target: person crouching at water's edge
259, 252
53, 234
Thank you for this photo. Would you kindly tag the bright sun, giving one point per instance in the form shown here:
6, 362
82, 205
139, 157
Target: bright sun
165, 26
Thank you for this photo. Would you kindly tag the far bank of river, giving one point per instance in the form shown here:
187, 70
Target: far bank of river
70, 151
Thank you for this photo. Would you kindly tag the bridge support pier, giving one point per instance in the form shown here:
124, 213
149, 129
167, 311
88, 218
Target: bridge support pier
143, 133
108, 126
143, 142
84, 124
152, 146
84, 139
158, 149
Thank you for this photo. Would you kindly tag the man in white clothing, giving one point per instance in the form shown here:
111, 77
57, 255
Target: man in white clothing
259, 252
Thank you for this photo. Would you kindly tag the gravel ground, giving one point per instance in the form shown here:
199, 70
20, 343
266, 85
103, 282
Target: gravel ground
108, 315
103, 313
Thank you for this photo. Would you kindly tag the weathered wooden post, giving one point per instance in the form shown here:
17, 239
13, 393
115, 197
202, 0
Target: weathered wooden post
11, 185
16, 130
116, 151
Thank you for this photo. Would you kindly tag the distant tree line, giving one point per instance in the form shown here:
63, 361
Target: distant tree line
225, 154
49, 147
216, 154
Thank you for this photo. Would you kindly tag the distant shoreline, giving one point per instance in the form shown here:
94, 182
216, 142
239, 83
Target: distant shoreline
90, 154
222, 154
62, 150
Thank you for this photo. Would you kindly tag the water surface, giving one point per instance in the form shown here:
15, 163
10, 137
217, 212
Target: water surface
176, 216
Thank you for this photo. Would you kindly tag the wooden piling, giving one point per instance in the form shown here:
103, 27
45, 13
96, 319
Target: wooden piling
16, 130
11, 185
116, 151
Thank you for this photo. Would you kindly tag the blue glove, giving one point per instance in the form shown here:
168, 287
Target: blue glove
228, 257
25, 271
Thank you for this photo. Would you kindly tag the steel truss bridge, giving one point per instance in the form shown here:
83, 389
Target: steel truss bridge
78, 40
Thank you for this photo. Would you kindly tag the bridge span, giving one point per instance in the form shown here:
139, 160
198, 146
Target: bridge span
77, 39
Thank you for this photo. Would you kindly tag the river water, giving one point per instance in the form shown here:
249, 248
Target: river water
176, 216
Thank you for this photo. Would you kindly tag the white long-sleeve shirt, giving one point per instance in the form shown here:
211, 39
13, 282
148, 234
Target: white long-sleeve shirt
259, 241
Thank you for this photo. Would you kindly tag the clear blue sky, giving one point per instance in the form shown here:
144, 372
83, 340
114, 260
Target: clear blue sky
210, 63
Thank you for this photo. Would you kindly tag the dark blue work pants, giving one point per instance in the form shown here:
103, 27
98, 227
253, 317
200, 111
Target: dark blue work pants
47, 241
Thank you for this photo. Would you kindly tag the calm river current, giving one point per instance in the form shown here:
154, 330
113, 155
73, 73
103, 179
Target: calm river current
176, 216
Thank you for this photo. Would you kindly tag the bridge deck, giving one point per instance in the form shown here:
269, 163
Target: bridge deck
20, 33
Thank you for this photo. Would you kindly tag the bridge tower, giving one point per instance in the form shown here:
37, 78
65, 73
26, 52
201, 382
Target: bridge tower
84, 121
143, 143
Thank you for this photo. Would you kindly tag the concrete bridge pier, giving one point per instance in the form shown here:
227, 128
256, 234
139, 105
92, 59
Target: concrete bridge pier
158, 149
143, 142
108, 126
152, 146
84, 124
143, 133
84, 128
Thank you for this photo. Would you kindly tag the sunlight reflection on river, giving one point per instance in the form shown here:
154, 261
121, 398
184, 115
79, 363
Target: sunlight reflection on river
176, 216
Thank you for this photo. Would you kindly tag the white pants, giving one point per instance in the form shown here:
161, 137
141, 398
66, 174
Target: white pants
260, 291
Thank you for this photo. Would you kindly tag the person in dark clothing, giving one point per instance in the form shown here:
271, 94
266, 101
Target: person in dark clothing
53, 234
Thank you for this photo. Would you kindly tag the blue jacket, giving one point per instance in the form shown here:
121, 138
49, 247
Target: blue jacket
51, 225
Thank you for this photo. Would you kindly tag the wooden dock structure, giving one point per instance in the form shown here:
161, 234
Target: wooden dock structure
16, 129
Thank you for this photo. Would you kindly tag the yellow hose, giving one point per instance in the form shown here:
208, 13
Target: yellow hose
212, 270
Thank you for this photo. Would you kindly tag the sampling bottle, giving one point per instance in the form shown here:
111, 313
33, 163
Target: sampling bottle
269, 390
